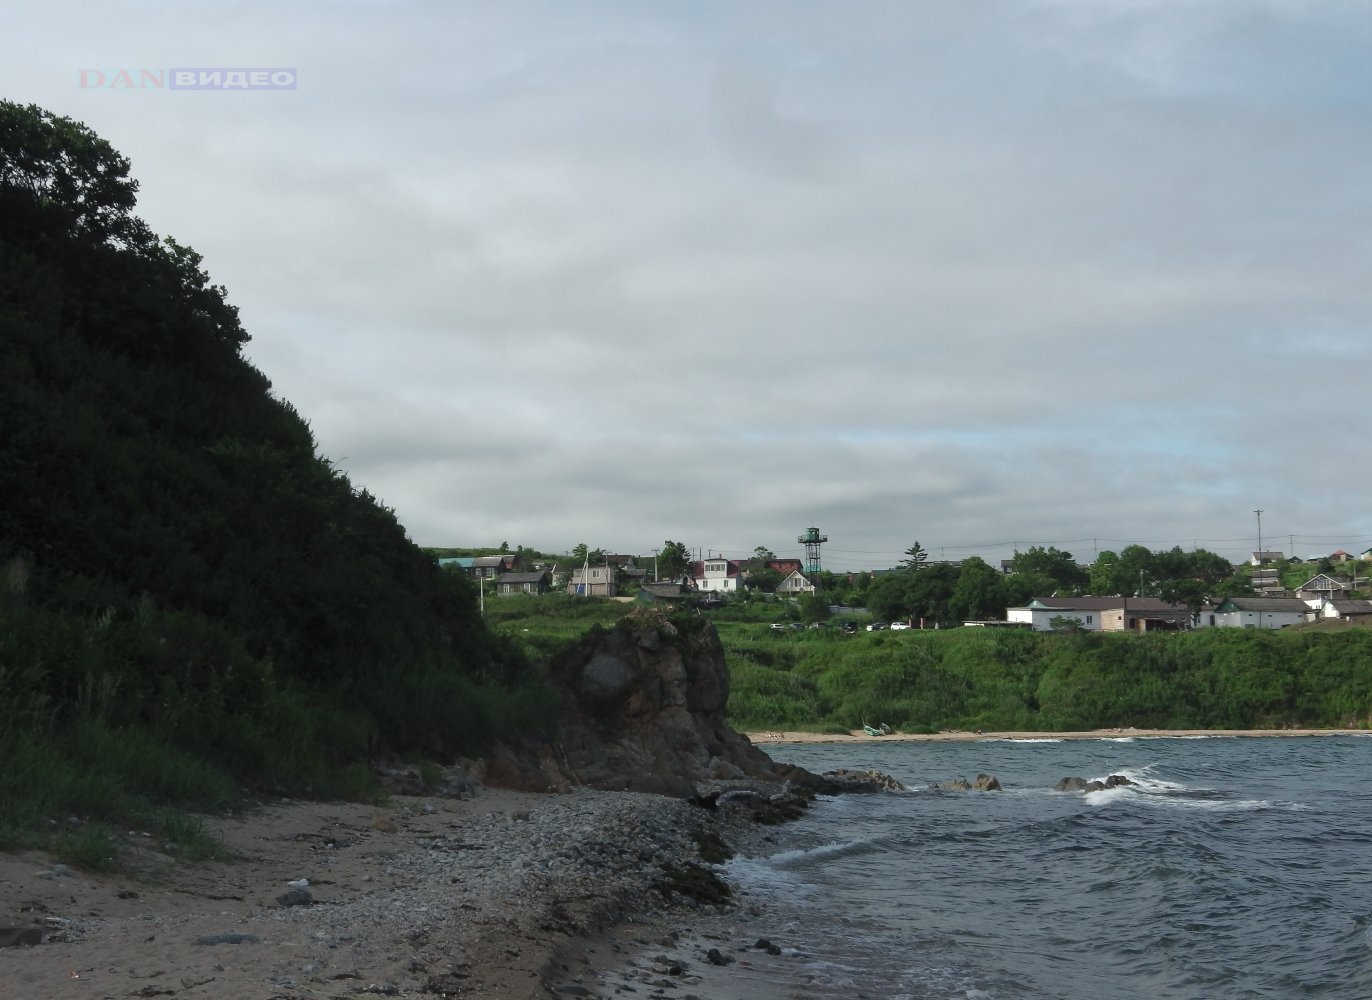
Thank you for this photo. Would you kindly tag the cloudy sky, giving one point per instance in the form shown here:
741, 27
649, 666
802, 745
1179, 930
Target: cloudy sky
985, 275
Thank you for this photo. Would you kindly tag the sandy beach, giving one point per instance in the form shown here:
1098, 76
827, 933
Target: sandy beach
501, 895
859, 736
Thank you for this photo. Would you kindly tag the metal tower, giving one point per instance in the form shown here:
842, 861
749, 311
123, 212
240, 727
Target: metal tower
812, 540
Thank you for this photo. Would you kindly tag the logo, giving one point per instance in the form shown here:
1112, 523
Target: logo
182, 78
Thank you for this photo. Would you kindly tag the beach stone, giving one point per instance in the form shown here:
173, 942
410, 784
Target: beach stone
715, 957
1071, 784
228, 937
295, 897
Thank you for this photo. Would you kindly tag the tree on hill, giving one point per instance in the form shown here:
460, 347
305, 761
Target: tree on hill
915, 557
255, 606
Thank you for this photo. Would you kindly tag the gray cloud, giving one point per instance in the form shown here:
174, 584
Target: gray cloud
982, 275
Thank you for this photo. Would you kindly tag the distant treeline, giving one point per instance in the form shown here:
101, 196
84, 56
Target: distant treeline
1010, 680
180, 569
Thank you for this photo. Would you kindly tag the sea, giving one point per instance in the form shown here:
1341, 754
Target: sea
1230, 867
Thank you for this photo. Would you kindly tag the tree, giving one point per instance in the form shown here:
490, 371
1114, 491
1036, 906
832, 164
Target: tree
978, 593
915, 557
762, 553
583, 556
1053, 565
673, 560
764, 579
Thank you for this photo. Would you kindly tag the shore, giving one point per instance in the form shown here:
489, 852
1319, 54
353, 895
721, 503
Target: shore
499, 895
954, 735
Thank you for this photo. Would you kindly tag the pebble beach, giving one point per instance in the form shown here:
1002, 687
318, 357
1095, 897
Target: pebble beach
499, 894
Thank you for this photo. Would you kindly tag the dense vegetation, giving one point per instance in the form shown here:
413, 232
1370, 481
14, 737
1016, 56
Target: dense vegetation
973, 678
820, 679
192, 598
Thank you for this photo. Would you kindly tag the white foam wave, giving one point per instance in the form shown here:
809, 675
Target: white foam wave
824, 852
1033, 739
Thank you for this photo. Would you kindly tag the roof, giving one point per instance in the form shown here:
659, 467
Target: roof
1350, 607
528, 577
1139, 604
1294, 604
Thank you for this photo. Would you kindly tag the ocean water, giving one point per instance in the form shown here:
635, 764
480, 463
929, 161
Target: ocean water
1234, 867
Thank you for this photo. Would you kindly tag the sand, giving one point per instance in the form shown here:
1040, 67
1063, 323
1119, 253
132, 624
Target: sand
953, 735
502, 895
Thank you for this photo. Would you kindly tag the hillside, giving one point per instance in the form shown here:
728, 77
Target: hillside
192, 597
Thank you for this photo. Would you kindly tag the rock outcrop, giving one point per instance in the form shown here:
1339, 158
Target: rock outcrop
642, 710
984, 783
1077, 784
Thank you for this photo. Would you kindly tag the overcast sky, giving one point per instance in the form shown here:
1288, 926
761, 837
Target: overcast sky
985, 275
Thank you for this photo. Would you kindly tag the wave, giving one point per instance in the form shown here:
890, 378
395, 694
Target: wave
804, 857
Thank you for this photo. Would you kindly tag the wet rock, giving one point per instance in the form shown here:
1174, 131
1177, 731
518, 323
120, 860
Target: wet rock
228, 937
844, 780
295, 897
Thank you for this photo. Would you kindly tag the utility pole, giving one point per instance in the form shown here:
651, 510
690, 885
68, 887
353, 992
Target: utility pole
1259, 513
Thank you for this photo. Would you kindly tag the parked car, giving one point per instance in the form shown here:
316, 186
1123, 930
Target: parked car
898, 626
876, 627
797, 626
816, 624
849, 628
778, 626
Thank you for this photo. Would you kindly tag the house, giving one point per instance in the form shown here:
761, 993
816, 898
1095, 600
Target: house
783, 566
1104, 614
795, 582
592, 581
1354, 611
1267, 556
1320, 588
1260, 612
530, 582
715, 575
490, 567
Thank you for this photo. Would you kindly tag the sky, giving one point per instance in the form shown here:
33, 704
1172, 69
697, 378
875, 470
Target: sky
978, 275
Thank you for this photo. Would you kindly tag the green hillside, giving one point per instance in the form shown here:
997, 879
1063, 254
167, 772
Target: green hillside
192, 598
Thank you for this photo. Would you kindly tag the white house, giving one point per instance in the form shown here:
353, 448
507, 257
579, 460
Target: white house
1260, 612
1105, 614
1353, 610
719, 576
795, 583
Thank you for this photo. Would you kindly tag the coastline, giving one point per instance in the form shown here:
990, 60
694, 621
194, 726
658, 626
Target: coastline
951, 736
499, 895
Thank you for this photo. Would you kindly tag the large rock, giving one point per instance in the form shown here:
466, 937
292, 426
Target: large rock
642, 710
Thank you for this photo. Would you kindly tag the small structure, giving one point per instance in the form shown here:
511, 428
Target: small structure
1348, 610
1104, 614
531, 582
1260, 612
812, 540
795, 582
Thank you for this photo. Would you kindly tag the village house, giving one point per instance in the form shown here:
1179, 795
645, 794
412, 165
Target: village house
1359, 611
1260, 612
529, 582
1104, 614
593, 581
795, 582
716, 575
